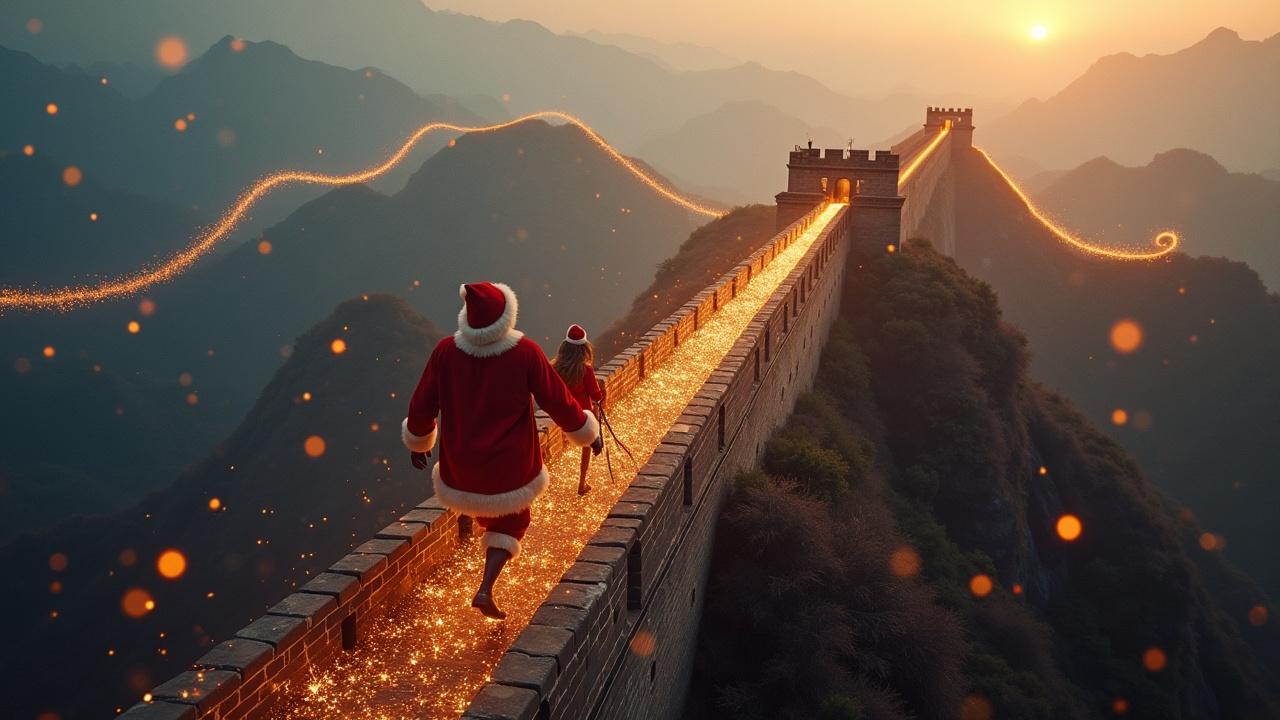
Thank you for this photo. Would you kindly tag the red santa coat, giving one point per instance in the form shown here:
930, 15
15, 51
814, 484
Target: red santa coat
483, 383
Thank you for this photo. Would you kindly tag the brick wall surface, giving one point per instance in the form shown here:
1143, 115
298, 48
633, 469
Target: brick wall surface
615, 639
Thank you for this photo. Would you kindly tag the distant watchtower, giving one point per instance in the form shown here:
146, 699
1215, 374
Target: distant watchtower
869, 184
961, 125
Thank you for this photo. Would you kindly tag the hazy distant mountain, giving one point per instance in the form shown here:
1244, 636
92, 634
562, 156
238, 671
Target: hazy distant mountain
624, 94
1217, 96
281, 517
234, 114
1218, 213
673, 56
740, 145
1200, 394
52, 233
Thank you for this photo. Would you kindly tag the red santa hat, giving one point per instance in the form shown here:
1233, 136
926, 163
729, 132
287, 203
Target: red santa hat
486, 323
576, 335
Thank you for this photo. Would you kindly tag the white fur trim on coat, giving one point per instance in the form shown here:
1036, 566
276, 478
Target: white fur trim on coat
501, 540
482, 505
499, 331
493, 349
586, 434
417, 443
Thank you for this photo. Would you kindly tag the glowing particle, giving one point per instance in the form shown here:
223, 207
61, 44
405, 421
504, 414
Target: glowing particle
134, 327
51, 108
1154, 659
171, 564
185, 379
128, 557
1258, 615
338, 346
264, 247
904, 562
1042, 471
35, 26
28, 150
1120, 706
93, 217
981, 585
1017, 588
644, 643
237, 45
193, 399
146, 307
891, 248
314, 446
171, 52
374, 427
103, 80
55, 587
1119, 416
49, 351
1126, 336
72, 176
1069, 527
58, 562
1211, 541
215, 504
180, 124
191, 117
306, 396
137, 602
976, 707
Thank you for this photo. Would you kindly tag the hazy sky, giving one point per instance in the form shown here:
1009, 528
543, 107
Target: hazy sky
980, 47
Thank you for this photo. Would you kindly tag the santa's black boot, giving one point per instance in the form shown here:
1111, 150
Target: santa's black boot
494, 560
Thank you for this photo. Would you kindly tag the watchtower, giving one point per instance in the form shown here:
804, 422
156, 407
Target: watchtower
868, 183
961, 125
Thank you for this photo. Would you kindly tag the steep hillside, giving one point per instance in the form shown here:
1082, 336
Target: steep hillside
234, 114
1199, 393
624, 94
256, 518
901, 553
1212, 96
710, 251
1231, 215
740, 146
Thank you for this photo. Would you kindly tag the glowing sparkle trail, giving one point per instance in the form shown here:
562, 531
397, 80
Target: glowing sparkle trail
430, 654
66, 298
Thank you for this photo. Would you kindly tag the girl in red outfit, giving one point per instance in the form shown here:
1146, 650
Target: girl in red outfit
573, 363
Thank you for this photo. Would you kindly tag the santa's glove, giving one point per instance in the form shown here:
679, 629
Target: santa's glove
597, 446
419, 459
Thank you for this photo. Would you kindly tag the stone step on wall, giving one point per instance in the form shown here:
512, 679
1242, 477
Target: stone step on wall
241, 677
616, 637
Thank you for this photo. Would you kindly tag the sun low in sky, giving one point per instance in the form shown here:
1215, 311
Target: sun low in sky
1038, 32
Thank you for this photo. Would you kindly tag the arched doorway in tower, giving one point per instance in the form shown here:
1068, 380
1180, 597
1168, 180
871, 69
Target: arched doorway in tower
842, 190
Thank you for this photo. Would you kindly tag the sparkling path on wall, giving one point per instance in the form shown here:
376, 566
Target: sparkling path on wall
429, 655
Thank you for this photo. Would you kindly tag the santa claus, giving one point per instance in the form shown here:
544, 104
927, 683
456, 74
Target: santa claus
482, 383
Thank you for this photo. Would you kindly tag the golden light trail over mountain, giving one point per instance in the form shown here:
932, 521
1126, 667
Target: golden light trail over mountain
67, 298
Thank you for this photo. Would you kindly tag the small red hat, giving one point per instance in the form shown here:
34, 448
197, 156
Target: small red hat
576, 335
485, 303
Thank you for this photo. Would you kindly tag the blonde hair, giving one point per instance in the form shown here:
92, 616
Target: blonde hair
571, 361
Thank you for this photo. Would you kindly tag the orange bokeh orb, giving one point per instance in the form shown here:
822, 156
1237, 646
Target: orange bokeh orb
1119, 416
171, 564
264, 247
72, 176
49, 351
1258, 615
146, 307
28, 150
904, 562
171, 52
1069, 527
215, 503
237, 45
137, 602
128, 557
314, 446
34, 26
51, 108
981, 585
58, 562
1154, 659
1126, 336
644, 643
1119, 706
180, 124
134, 327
